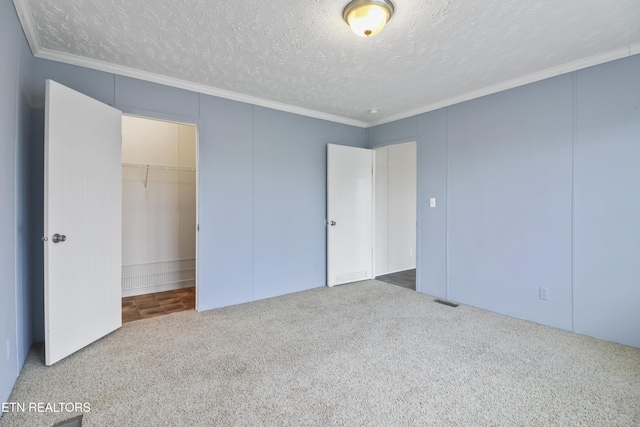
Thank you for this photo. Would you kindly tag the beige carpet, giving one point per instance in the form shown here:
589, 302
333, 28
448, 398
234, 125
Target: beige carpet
365, 354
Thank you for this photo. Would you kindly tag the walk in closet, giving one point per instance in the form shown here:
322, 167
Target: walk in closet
158, 206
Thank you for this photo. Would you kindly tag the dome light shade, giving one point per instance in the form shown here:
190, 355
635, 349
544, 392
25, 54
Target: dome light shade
367, 17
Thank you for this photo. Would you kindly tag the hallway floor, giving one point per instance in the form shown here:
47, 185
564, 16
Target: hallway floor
404, 279
158, 304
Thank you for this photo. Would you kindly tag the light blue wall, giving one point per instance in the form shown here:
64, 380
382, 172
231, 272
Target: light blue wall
226, 170
607, 202
268, 172
15, 329
432, 223
509, 201
262, 184
535, 186
132, 95
96, 84
287, 216
28, 236
289, 200
397, 132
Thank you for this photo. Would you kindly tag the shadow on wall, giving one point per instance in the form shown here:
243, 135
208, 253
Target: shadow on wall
34, 161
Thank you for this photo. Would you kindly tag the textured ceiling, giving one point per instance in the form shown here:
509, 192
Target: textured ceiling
301, 54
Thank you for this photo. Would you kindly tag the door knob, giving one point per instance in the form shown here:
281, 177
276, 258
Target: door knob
333, 223
58, 238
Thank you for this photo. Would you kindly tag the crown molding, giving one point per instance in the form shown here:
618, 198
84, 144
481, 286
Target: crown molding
221, 93
26, 20
186, 85
28, 26
569, 67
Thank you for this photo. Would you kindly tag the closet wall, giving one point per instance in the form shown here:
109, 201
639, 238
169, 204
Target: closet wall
158, 206
395, 208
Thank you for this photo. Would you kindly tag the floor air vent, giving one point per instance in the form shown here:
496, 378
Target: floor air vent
73, 422
444, 302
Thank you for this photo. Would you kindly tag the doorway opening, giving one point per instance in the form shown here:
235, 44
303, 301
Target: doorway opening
395, 210
159, 217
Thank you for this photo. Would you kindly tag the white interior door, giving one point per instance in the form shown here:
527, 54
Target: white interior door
349, 214
83, 204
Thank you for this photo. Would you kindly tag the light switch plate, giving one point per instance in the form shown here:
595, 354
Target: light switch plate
432, 202
544, 293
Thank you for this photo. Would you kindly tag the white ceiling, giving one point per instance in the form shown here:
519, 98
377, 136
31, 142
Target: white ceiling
300, 56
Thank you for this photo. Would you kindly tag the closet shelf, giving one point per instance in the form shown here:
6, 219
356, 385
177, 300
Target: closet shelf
151, 166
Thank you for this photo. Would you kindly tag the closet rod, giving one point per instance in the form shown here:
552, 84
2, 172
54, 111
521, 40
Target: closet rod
161, 167
153, 166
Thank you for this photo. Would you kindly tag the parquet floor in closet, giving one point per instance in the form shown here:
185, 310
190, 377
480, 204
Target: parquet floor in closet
158, 304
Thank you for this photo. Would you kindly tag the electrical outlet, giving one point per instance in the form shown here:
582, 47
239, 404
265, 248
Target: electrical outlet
544, 293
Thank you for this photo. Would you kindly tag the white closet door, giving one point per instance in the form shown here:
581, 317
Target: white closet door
83, 208
349, 214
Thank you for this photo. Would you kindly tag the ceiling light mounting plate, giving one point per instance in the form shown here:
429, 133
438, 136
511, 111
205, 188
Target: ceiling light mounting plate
367, 17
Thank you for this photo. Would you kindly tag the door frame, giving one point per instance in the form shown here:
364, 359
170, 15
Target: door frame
154, 115
418, 207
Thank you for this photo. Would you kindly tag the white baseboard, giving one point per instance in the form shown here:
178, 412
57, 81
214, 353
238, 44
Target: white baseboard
157, 288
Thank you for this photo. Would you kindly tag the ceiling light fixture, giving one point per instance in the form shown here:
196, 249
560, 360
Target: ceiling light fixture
367, 17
